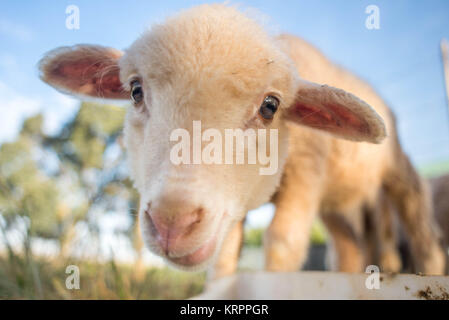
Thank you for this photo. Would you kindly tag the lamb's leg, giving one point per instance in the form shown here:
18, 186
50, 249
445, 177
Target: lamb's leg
287, 238
387, 236
411, 197
228, 257
346, 242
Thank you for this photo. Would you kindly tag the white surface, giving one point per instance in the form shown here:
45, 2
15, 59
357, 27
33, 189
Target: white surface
325, 285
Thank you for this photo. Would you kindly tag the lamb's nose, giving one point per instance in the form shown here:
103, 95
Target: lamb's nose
170, 228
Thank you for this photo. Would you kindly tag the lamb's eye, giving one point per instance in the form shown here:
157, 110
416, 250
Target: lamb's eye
269, 107
136, 92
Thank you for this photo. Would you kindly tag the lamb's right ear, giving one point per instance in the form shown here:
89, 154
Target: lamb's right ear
85, 70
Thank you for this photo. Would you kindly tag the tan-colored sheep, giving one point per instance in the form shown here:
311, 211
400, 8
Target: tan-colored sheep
440, 196
215, 65
388, 246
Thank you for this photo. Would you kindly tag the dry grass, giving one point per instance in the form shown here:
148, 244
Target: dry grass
26, 277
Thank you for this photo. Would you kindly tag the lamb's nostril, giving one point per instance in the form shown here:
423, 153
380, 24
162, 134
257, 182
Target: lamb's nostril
170, 228
191, 219
161, 225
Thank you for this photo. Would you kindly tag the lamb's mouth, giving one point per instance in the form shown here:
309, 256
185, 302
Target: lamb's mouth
198, 256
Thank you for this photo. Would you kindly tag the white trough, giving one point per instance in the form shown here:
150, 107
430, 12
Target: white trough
326, 285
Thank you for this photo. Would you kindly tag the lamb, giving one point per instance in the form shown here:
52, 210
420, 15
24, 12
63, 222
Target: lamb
385, 238
440, 196
213, 64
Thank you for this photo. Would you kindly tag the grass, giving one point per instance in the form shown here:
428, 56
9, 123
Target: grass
23, 277
254, 236
435, 169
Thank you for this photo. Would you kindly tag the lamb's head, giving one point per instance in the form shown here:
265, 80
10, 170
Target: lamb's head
212, 67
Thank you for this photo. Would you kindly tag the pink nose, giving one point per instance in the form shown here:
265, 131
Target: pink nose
171, 228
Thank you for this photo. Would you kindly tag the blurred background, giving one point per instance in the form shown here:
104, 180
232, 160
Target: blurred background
65, 196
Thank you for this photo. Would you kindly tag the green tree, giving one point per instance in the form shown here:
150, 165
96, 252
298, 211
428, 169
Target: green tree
56, 180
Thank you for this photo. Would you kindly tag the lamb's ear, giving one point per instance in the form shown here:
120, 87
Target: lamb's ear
337, 112
85, 70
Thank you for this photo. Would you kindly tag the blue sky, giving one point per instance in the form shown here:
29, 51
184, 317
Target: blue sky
401, 60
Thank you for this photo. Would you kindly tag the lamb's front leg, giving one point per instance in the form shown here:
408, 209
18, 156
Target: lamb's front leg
228, 257
287, 238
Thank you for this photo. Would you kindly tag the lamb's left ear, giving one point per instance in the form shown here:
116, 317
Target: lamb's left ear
337, 112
